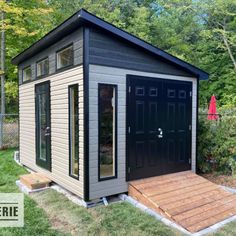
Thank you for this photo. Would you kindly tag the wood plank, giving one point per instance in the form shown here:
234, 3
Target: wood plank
195, 204
207, 214
184, 193
139, 197
211, 221
204, 208
159, 190
189, 200
34, 180
186, 198
136, 183
163, 182
167, 182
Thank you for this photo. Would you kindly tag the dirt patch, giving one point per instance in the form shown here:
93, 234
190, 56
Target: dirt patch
226, 180
62, 213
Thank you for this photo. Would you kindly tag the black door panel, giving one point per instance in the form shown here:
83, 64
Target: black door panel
158, 120
43, 125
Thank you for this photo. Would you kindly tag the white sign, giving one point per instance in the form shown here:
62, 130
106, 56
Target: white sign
11, 209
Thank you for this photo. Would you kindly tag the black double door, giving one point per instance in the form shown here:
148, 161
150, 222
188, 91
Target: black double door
159, 120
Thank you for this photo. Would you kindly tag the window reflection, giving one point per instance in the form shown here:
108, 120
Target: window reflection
65, 57
74, 130
107, 130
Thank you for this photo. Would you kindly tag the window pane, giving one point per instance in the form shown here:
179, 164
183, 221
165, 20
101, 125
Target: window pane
43, 67
107, 136
74, 130
42, 125
65, 57
27, 74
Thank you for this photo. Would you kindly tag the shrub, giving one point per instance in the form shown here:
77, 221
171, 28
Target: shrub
217, 144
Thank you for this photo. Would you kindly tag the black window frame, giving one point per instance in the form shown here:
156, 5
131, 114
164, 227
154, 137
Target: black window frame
116, 135
48, 164
69, 127
73, 55
31, 78
36, 69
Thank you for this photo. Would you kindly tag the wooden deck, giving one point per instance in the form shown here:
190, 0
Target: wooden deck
185, 198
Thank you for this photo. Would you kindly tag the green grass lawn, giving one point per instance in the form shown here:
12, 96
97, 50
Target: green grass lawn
51, 213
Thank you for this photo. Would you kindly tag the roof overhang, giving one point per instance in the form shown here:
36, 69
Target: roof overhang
82, 17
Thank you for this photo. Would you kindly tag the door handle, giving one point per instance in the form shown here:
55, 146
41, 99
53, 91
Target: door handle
160, 135
47, 131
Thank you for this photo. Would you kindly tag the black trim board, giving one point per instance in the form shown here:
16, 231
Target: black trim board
82, 17
86, 111
116, 136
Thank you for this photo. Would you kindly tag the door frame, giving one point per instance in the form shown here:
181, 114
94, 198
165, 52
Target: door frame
142, 77
47, 164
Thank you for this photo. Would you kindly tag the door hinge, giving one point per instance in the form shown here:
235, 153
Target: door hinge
129, 89
129, 130
190, 93
190, 127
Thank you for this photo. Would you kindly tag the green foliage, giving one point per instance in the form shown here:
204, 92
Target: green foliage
217, 144
232, 163
201, 32
25, 22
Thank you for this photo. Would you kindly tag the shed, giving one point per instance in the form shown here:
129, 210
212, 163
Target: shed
99, 107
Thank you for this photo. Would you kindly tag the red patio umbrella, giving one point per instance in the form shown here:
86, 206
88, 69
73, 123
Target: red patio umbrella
212, 114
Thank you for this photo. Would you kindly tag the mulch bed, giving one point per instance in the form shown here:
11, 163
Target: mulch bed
226, 180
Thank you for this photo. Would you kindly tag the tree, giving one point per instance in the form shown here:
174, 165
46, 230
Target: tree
201, 32
24, 23
218, 50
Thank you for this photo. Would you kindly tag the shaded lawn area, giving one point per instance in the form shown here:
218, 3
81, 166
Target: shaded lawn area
36, 221
51, 213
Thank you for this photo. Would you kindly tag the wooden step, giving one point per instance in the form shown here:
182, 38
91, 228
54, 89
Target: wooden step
35, 181
185, 198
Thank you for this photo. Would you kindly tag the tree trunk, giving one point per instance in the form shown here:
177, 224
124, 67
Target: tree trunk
229, 51
228, 47
3, 58
2, 64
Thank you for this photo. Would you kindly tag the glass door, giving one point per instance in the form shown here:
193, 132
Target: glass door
43, 125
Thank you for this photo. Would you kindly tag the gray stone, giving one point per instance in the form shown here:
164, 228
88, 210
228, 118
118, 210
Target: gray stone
181, 229
141, 206
203, 232
131, 200
153, 213
167, 222
123, 197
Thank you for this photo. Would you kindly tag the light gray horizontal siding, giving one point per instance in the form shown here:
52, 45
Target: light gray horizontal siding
76, 38
111, 75
108, 50
59, 128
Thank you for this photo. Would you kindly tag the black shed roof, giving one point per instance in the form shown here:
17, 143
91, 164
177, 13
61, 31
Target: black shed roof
83, 17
